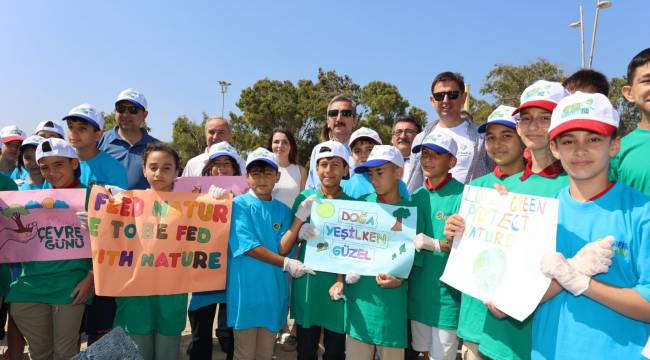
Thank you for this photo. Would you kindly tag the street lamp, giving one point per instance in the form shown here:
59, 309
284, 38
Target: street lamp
580, 23
224, 88
599, 5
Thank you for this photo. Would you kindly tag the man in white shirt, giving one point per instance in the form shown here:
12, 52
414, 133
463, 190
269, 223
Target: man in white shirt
404, 131
216, 131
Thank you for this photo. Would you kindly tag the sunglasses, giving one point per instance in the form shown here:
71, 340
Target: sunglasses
335, 113
123, 108
439, 96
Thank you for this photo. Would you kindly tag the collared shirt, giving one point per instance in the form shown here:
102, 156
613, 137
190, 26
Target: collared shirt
407, 169
551, 171
130, 156
444, 182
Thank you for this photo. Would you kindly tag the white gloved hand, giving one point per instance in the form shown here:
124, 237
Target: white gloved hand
352, 278
217, 192
424, 242
83, 219
555, 266
114, 190
308, 232
304, 209
296, 268
594, 258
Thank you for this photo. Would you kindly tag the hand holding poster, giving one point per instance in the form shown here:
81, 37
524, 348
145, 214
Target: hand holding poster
201, 184
158, 243
498, 257
38, 225
362, 237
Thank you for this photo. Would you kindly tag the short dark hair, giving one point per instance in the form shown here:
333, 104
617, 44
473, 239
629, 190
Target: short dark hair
293, 151
207, 169
449, 76
587, 79
638, 60
82, 120
408, 119
259, 165
164, 147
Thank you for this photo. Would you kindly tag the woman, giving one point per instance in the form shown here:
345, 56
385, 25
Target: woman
292, 176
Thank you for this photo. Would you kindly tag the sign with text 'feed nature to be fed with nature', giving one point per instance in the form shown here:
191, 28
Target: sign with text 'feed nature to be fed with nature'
41, 225
146, 242
362, 237
497, 259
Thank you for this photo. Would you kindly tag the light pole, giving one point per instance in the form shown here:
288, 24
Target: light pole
581, 24
599, 5
224, 88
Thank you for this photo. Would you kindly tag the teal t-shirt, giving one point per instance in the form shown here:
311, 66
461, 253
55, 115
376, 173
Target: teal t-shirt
359, 185
630, 165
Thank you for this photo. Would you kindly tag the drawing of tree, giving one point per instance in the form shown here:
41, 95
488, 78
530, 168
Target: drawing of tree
400, 214
14, 212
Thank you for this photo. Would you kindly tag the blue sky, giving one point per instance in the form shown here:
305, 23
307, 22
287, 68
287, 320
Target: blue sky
58, 54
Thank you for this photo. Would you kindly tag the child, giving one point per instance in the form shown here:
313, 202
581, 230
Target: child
48, 300
155, 322
432, 305
29, 174
588, 81
627, 166
257, 292
6, 184
11, 137
376, 306
223, 160
49, 129
593, 310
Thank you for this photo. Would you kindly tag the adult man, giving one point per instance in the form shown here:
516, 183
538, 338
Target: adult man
216, 131
127, 141
447, 97
404, 131
341, 122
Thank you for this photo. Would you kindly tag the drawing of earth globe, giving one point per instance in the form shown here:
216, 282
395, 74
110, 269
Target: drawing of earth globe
489, 269
325, 210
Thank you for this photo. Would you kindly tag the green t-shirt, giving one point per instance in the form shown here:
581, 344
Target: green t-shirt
630, 164
431, 301
311, 304
49, 282
377, 315
508, 338
6, 184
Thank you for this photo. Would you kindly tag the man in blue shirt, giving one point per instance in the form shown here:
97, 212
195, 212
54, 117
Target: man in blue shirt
127, 141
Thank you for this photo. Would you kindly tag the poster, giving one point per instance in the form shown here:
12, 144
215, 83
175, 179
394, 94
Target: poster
158, 243
497, 259
362, 237
201, 184
39, 225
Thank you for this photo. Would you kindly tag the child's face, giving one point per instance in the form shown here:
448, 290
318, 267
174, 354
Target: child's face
331, 170
10, 150
223, 166
58, 170
435, 165
160, 170
29, 158
361, 150
533, 126
385, 178
262, 180
503, 145
82, 134
48, 134
639, 91
584, 154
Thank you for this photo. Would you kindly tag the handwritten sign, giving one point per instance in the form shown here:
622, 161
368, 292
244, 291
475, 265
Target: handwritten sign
362, 237
497, 258
39, 225
201, 184
158, 243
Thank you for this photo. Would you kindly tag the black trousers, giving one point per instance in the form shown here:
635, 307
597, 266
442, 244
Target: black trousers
201, 321
308, 339
99, 317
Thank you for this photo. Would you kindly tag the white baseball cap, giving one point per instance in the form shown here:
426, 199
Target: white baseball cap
501, 115
262, 154
52, 126
367, 133
582, 111
87, 113
332, 148
133, 96
32, 140
11, 133
223, 148
55, 147
542, 94
438, 142
380, 155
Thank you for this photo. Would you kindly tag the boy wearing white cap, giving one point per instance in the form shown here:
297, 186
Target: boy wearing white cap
257, 292
49, 129
432, 305
11, 137
48, 299
598, 306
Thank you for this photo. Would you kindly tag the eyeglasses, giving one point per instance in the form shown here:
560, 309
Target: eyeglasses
453, 95
335, 113
123, 108
407, 132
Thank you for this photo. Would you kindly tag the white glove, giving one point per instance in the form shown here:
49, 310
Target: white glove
422, 241
352, 278
339, 296
555, 266
304, 209
594, 258
217, 192
295, 268
83, 219
308, 232
113, 190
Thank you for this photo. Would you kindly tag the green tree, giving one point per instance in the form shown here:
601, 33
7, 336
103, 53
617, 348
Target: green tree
382, 104
400, 214
480, 110
188, 137
14, 212
627, 111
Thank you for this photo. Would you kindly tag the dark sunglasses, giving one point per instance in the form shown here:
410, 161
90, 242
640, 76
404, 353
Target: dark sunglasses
453, 95
335, 113
123, 108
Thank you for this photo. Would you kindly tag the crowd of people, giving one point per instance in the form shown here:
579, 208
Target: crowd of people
560, 141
